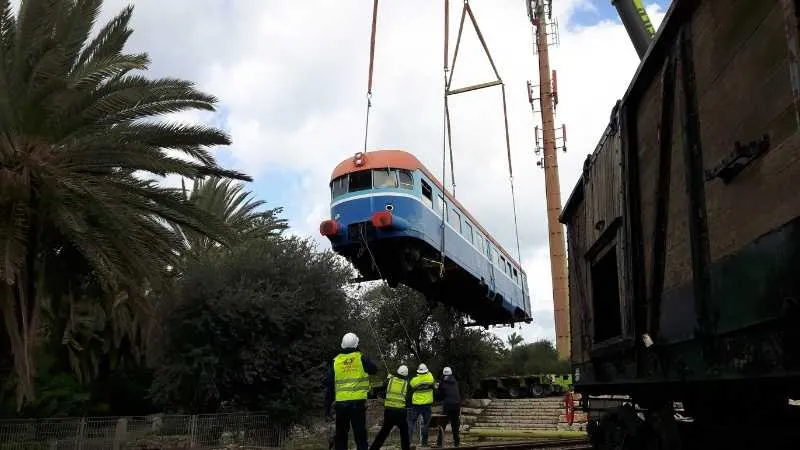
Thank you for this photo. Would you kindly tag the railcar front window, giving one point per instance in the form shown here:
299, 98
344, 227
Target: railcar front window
384, 178
360, 181
339, 186
406, 179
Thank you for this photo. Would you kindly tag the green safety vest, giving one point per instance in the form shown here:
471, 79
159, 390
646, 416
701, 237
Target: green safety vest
351, 381
422, 385
396, 393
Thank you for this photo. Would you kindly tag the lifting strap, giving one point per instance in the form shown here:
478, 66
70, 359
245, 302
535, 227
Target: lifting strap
371, 64
467, 11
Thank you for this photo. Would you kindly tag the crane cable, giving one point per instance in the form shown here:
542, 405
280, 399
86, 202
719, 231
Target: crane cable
371, 64
511, 177
446, 136
366, 137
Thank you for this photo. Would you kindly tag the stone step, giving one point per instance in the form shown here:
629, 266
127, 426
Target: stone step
514, 427
525, 409
516, 422
531, 414
524, 404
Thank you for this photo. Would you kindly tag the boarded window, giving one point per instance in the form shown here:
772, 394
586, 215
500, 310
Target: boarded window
605, 297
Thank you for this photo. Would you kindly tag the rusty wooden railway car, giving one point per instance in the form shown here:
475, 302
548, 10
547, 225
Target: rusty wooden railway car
684, 228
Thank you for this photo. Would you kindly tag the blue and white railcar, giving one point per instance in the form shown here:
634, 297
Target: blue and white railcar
392, 219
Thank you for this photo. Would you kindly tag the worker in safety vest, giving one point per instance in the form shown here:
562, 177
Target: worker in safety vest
394, 409
422, 387
347, 390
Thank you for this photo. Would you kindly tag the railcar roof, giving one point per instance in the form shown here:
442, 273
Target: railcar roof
401, 159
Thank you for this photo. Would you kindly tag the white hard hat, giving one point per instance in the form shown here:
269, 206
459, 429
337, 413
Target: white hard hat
447, 371
422, 368
402, 370
350, 340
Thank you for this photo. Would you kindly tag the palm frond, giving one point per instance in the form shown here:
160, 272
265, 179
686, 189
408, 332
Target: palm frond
77, 123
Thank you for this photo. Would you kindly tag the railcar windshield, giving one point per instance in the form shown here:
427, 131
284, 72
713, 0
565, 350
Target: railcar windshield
360, 181
384, 178
372, 179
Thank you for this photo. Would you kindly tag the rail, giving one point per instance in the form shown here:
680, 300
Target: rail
560, 444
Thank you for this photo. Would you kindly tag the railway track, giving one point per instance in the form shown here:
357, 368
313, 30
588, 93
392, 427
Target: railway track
554, 444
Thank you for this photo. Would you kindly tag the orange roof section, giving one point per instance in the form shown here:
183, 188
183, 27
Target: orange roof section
401, 159
378, 159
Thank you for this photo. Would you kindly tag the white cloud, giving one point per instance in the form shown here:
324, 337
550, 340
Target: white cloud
291, 77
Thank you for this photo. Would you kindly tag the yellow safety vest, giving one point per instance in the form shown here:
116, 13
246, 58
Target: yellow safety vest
422, 385
351, 381
396, 393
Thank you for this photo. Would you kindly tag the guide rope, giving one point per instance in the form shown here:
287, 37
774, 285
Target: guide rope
399, 317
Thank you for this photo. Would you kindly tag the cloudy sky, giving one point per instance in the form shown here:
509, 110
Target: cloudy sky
291, 77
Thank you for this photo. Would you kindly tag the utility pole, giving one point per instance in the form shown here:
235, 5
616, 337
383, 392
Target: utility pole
540, 14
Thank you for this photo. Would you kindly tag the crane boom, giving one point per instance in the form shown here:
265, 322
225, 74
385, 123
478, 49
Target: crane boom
637, 24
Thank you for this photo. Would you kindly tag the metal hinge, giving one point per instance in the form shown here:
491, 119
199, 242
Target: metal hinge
739, 158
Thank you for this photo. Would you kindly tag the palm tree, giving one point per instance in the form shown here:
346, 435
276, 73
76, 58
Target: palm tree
77, 125
232, 204
514, 340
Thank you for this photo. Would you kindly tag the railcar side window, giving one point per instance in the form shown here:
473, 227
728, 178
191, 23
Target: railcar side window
406, 179
454, 219
427, 194
360, 181
384, 178
502, 263
516, 276
468, 232
442, 205
339, 186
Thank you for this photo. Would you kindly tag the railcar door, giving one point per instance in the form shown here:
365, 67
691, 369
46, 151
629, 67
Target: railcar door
489, 259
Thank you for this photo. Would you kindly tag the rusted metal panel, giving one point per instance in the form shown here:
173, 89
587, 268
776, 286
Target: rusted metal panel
791, 17
751, 100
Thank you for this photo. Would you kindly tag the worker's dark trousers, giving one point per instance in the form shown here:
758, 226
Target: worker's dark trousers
453, 413
413, 414
355, 414
392, 417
